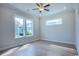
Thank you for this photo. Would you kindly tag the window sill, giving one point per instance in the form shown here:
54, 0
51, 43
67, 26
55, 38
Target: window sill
23, 37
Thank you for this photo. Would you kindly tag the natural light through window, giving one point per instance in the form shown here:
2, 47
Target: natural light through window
54, 22
29, 27
23, 27
19, 27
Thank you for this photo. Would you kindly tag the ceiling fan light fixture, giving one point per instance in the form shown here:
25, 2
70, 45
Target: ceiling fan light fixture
41, 9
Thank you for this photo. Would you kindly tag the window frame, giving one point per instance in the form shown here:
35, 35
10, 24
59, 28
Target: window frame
32, 28
24, 21
56, 21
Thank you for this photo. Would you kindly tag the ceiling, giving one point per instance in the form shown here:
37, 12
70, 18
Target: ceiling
54, 8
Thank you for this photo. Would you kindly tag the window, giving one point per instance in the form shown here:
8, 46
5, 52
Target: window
29, 29
54, 22
19, 27
23, 27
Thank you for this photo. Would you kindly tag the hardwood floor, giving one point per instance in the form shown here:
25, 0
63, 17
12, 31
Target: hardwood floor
40, 48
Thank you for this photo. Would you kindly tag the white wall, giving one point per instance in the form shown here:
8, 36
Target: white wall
64, 32
7, 28
77, 26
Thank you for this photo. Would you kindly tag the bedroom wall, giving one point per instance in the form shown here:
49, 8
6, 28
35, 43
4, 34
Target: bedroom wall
77, 26
7, 28
64, 32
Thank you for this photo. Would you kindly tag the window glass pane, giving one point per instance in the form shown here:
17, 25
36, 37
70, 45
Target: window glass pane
23, 27
54, 22
19, 27
29, 26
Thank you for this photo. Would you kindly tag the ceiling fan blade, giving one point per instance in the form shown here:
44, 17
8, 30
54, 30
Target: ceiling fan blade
35, 9
46, 9
47, 5
41, 4
38, 4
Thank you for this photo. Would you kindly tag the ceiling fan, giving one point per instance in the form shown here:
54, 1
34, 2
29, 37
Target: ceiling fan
41, 7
